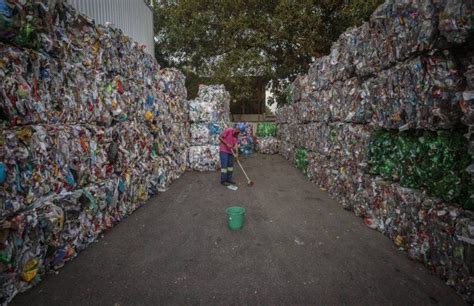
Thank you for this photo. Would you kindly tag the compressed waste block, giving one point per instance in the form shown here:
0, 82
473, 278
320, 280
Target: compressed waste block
422, 93
211, 105
287, 114
455, 21
301, 160
246, 138
467, 106
209, 114
204, 158
430, 230
435, 161
203, 134
91, 127
268, 145
266, 129
287, 150
378, 123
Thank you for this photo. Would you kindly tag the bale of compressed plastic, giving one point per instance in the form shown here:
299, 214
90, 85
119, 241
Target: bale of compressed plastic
206, 133
287, 150
266, 129
301, 160
283, 133
286, 114
91, 127
246, 138
268, 145
434, 161
401, 29
455, 21
209, 115
204, 158
421, 93
211, 105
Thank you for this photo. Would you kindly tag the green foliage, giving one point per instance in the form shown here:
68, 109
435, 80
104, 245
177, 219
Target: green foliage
273, 40
435, 161
301, 160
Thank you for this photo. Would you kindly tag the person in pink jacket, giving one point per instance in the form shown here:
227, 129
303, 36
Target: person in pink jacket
227, 149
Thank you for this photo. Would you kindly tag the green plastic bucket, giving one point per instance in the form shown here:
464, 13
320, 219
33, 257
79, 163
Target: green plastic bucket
235, 218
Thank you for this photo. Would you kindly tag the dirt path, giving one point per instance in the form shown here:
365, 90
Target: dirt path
297, 247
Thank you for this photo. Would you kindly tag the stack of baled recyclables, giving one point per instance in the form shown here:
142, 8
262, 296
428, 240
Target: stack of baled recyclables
90, 128
381, 123
267, 142
209, 114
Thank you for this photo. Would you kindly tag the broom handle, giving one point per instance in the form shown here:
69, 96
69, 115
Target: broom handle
243, 170
238, 161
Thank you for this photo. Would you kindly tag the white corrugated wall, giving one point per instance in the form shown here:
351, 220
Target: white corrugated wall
134, 17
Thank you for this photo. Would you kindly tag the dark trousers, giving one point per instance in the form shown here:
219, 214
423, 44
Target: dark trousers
227, 166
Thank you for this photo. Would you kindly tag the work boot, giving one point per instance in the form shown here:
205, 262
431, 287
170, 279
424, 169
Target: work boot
231, 182
225, 184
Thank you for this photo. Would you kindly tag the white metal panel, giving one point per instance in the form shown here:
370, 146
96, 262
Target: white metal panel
133, 17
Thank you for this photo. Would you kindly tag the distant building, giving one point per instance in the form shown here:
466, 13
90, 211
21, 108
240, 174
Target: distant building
133, 17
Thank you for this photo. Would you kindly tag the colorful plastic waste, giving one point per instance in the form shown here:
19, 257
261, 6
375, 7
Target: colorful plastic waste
211, 105
209, 114
204, 158
400, 87
91, 127
246, 138
267, 145
455, 20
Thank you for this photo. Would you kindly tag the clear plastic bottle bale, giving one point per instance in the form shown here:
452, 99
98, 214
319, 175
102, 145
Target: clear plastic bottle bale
283, 132
205, 134
200, 134
287, 150
268, 145
212, 104
204, 158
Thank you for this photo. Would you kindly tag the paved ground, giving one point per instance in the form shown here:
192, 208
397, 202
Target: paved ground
297, 247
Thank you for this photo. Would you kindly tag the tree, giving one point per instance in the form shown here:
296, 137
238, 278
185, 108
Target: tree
224, 41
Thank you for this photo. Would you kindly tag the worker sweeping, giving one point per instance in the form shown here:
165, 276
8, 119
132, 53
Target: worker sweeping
227, 150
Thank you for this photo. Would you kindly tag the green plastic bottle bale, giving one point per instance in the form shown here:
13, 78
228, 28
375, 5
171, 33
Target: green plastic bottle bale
266, 129
435, 161
301, 160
